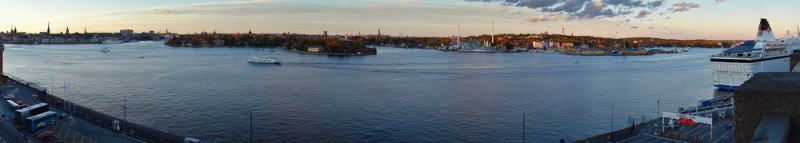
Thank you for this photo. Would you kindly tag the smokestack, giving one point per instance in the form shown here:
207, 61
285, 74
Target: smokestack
765, 31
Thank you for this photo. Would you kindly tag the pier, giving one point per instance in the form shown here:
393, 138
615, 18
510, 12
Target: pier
650, 131
82, 124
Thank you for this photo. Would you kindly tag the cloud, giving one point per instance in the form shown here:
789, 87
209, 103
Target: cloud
547, 17
634, 27
655, 4
720, 0
164, 10
643, 13
683, 6
584, 9
598, 4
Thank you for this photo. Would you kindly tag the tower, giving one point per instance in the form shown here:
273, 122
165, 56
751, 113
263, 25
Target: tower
48, 28
458, 35
250, 31
379, 31
67, 32
492, 30
84, 31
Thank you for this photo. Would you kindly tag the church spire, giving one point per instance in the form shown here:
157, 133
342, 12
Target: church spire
48, 27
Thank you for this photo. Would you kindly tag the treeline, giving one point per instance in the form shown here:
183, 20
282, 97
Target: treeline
293, 42
509, 40
411, 42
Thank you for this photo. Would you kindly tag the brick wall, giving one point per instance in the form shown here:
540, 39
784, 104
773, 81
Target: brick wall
767, 93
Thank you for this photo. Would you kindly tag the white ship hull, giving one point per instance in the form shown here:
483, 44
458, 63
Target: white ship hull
112, 42
263, 60
730, 73
734, 66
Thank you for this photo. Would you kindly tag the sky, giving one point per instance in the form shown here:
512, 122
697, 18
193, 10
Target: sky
673, 19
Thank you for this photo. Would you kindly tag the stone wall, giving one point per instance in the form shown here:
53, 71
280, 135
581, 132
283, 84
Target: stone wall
767, 93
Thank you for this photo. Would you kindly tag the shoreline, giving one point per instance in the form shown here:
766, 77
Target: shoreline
331, 54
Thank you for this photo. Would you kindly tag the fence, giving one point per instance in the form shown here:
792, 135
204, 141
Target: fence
614, 136
103, 120
13, 134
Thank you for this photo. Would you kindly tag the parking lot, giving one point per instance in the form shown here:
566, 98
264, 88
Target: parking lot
64, 134
685, 133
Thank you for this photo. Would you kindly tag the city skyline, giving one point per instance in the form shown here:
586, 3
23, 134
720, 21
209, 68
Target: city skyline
706, 19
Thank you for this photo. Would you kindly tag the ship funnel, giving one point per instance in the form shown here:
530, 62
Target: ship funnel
764, 31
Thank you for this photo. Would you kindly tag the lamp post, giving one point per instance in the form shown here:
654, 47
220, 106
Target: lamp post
251, 126
523, 126
124, 112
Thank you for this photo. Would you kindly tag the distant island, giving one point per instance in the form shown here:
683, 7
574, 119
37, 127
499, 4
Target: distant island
566, 44
356, 44
309, 44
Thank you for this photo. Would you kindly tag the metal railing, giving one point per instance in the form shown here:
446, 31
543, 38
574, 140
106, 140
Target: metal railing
101, 119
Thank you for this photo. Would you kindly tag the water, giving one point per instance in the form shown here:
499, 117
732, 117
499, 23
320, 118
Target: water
399, 95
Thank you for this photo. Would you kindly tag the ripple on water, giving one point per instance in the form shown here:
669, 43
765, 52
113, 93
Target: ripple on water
402, 95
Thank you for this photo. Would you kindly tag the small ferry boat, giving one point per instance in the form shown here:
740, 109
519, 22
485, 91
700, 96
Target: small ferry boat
112, 42
105, 50
263, 60
736, 65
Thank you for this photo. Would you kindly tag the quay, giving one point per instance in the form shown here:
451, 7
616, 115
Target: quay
673, 131
766, 111
82, 124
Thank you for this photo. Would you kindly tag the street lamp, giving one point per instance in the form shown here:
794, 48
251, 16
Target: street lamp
251, 126
523, 126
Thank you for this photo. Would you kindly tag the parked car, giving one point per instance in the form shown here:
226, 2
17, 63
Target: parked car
9, 96
45, 135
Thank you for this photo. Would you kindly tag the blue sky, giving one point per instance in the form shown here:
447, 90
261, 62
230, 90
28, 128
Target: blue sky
677, 19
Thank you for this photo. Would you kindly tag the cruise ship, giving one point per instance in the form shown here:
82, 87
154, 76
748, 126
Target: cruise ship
736, 65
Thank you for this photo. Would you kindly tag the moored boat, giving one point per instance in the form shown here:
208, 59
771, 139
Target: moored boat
263, 60
736, 65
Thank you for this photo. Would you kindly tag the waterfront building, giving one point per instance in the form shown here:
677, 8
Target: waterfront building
219, 42
126, 32
314, 49
537, 44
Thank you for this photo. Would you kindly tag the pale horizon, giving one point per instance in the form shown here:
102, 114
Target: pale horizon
703, 19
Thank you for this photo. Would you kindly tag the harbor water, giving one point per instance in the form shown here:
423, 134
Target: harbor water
399, 95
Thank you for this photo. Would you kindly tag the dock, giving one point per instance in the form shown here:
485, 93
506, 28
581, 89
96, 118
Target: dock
721, 113
81, 124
